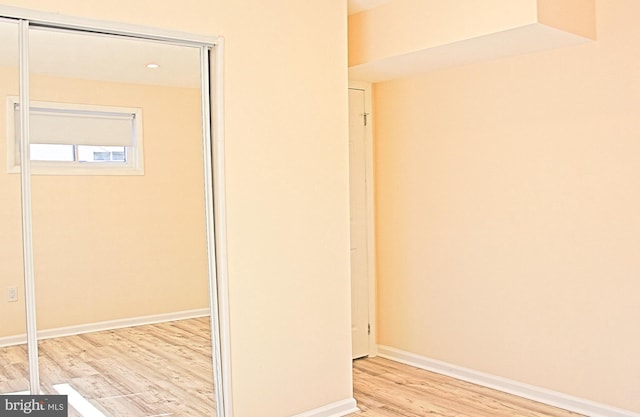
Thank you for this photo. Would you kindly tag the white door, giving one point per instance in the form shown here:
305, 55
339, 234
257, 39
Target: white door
358, 188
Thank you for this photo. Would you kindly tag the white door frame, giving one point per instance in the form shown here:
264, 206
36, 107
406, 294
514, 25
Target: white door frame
214, 176
371, 260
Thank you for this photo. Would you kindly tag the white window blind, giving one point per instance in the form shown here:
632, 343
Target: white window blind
76, 127
77, 139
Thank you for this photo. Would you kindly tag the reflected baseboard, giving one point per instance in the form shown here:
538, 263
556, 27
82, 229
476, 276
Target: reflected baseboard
336, 409
21, 339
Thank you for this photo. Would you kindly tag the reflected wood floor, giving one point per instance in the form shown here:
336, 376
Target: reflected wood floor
165, 370
385, 388
155, 370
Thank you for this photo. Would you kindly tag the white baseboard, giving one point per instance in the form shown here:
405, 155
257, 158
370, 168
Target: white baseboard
542, 395
105, 325
337, 409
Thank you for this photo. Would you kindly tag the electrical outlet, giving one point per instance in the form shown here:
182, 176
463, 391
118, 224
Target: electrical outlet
12, 294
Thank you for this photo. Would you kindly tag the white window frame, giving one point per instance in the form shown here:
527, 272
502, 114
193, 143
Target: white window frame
135, 153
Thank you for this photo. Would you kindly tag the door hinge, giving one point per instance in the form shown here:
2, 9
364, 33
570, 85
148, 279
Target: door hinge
365, 118
369, 328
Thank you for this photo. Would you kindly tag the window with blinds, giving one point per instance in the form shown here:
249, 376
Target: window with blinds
77, 139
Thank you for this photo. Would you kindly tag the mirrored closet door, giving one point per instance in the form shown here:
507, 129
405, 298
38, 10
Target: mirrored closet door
13, 342
121, 224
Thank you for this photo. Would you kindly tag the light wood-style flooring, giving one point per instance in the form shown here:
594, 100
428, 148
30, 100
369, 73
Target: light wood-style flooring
155, 370
385, 388
166, 370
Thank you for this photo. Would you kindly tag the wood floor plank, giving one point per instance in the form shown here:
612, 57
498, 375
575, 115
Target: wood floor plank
385, 388
157, 370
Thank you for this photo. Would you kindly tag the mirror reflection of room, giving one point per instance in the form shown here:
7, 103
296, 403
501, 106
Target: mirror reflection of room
119, 235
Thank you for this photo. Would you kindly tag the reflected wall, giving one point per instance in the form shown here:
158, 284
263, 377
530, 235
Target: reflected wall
124, 246
109, 247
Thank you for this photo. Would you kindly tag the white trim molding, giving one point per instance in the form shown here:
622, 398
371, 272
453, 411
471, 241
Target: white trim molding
336, 409
542, 395
105, 325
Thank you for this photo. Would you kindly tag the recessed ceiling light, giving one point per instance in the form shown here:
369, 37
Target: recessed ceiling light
152, 65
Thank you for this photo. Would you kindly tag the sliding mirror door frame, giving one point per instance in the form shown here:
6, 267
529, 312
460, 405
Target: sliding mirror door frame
211, 71
12, 312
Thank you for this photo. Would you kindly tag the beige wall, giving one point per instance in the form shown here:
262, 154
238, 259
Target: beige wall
507, 214
286, 127
112, 247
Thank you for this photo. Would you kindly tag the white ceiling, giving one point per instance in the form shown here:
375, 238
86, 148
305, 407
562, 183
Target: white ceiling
356, 6
100, 57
